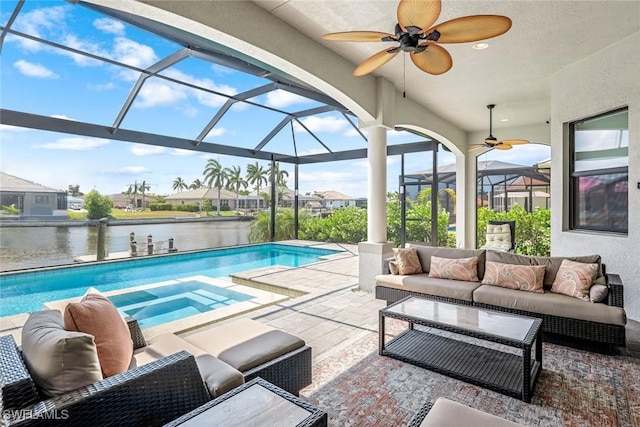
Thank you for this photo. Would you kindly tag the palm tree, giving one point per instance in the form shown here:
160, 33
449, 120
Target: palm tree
143, 188
280, 180
215, 176
179, 185
132, 190
235, 182
256, 176
196, 184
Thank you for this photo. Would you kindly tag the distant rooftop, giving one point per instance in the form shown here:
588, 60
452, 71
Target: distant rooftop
13, 183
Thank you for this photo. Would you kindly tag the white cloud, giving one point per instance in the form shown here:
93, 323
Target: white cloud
322, 124
281, 98
133, 53
34, 70
216, 132
353, 132
9, 128
181, 152
110, 26
312, 151
155, 93
75, 144
220, 70
204, 98
62, 116
127, 170
39, 22
353, 184
146, 150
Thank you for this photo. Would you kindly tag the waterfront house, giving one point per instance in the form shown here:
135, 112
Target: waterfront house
30, 200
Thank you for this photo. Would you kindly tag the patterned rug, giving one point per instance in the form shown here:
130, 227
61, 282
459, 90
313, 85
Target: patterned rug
357, 387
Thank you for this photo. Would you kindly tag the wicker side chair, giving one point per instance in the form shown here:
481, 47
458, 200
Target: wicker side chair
149, 395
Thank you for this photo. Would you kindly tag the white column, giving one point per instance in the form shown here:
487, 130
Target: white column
377, 191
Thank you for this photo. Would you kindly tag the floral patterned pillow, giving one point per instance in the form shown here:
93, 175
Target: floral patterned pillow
574, 279
455, 269
513, 276
407, 261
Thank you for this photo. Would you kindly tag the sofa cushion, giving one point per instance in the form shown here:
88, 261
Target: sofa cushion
598, 291
426, 252
552, 264
465, 269
407, 261
447, 413
59, 361
456, 289
574, 279
522, 277
550, 304
217, 375
96, 315
245, 343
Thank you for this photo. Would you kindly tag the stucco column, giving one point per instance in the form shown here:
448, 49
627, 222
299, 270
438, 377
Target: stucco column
377, 190
373, 252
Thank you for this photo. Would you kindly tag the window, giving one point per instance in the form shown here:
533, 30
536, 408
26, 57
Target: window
599, 172
42, 199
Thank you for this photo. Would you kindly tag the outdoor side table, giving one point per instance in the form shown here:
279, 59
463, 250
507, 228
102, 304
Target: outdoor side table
256, 403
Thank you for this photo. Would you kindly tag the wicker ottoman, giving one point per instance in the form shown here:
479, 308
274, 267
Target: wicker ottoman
258, 350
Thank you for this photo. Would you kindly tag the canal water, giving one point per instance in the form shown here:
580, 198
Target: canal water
30, 247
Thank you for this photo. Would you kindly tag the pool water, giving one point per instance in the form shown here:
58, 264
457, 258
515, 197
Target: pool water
28, 291
161, 304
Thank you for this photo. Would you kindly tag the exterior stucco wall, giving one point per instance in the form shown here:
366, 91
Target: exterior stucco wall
606, 80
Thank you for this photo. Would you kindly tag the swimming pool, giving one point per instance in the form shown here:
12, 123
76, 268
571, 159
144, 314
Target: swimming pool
28, 291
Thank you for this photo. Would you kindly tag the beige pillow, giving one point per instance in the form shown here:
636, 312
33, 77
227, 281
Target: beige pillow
393, 267
456, 269
512, 276
407, 260
96, 315
574, 279
59, 361
498, 237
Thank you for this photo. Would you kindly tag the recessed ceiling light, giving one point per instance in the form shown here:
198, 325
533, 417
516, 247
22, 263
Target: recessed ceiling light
504, 120
480, 46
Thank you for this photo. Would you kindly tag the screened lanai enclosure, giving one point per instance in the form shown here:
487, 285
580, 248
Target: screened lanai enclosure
165, 91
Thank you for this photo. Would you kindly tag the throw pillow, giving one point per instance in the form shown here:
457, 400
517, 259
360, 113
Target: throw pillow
96, 315
393, 267
455, 269
59, 361
574, 279
522, 277
407, 260
498, 237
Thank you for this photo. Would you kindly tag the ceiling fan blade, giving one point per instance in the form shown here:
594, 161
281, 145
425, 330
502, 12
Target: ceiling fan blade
502, 146
433, 60
418, 13
515, 141
376, 61
358, 36
471, 28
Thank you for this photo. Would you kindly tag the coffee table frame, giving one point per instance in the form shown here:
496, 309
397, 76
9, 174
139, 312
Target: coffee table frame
511, 374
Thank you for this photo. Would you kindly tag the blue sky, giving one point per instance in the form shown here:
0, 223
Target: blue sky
43, 80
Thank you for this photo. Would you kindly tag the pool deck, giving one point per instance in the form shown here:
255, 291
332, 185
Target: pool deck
332, 313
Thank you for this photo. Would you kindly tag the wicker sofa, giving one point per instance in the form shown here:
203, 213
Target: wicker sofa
173, 376
565, 319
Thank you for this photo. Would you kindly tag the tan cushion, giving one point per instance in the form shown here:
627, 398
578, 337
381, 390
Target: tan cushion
245, 343
59, 361
574, 279
447, 413
393, 267
96, 315
217, 375
551, 304
426, 252
407, 261
498, 237
465, 269
422, 283
599, 290
522, 277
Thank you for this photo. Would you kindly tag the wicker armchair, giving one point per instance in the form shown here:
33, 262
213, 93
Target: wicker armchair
149, 395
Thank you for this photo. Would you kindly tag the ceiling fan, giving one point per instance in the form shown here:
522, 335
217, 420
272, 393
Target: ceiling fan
493, 142
417, 35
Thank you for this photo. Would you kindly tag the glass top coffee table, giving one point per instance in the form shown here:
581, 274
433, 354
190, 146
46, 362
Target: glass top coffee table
513, 374
257, 403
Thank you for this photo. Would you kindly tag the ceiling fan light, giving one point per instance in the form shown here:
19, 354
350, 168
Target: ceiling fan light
491, 140
480, 46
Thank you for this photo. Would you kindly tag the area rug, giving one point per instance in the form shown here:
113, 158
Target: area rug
357, 387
